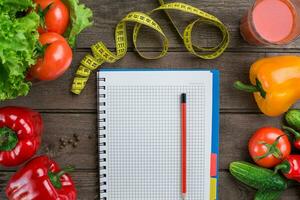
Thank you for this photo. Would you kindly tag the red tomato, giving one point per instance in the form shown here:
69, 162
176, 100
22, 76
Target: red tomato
269, 146
56, 60
57, 17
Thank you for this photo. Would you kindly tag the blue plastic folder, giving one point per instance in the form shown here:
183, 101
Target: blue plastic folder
139, 133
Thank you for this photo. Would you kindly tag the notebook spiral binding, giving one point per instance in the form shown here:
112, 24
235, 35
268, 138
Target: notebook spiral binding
102, 138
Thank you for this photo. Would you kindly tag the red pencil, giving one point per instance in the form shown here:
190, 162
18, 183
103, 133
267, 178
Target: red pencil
183, 146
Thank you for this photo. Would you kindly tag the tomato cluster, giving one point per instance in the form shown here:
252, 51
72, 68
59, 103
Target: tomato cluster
55, 53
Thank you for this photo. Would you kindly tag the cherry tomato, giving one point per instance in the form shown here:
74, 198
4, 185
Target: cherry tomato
56, 60
56, 18
269, 146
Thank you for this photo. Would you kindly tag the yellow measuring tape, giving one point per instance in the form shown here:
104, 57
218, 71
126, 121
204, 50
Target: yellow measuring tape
100, 53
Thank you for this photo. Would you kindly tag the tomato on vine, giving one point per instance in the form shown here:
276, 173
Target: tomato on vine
54, 15
55, 58
269, 146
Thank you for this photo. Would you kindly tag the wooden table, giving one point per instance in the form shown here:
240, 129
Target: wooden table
65, 114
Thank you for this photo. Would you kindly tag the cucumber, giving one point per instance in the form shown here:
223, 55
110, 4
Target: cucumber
292, 118
267, 195
257, 177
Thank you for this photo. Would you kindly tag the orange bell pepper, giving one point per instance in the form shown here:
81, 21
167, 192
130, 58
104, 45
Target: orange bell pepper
275, 83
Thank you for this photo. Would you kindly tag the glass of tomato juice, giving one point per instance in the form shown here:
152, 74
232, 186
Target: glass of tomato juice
270, 22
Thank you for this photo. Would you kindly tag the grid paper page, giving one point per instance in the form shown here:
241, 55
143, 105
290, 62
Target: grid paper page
143, 134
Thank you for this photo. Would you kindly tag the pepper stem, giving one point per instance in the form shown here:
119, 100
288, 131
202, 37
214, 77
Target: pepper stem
284, 167
247, 88
250, 88
55, 176
8, 139
291, 130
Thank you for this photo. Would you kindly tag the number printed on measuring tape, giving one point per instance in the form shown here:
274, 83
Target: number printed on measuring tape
101, 54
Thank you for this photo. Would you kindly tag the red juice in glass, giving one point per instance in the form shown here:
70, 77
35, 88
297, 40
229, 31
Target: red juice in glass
271, 22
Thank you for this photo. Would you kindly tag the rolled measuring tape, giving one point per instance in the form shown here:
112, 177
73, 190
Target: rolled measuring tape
101, 54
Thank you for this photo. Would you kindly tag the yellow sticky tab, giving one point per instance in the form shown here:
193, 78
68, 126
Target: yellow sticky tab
213, 189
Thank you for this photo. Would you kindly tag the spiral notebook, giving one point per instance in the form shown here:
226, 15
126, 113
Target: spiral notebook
139, 133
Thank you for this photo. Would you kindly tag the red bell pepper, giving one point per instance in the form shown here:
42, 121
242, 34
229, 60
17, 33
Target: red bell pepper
20, 134
41, 179
296, 136
290, 167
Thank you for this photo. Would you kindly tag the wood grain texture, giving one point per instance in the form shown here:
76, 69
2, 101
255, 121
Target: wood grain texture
236, 130
65, 114
87, 185
233, 66
57, 126
109, 12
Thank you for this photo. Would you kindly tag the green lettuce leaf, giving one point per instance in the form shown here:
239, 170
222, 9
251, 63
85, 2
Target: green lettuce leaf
80, 19
18, 39
12, 7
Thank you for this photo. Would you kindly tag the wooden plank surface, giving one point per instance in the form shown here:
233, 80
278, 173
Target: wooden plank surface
233, 138
109, 12
66, 114
87, 182
233, 66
